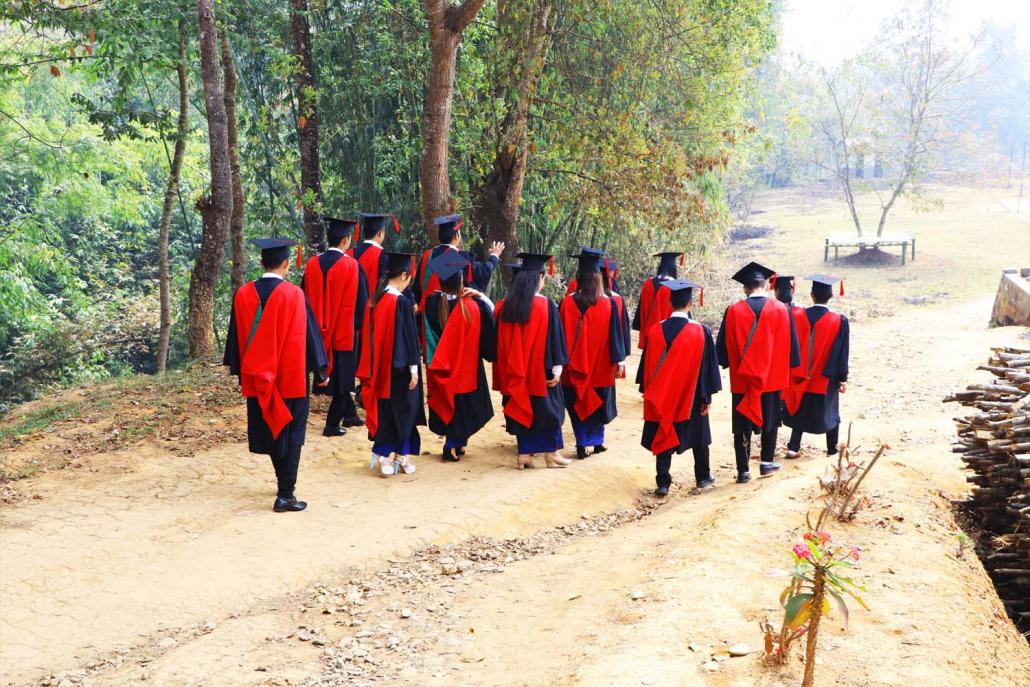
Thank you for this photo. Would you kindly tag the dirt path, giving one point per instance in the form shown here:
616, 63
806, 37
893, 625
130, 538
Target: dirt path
164, 569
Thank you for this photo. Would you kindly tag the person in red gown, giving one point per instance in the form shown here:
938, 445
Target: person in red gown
813, 404
758, 344
479, 273
459, 335
653, 303
273, 343
593, 337
531, 355
336, 288
681, 375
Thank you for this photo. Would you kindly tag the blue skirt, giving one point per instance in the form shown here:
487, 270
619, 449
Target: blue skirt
544, 442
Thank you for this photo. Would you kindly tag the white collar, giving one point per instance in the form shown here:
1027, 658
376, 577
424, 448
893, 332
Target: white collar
374, 243
682, 315
393, 290
335, 249
819, 305
271, 275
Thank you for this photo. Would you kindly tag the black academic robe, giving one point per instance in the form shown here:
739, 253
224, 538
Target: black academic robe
771, 404
695, 432
400, 414
259, 436
820, 413
474, 409
482, 271
617, 349
549, 410
345, 363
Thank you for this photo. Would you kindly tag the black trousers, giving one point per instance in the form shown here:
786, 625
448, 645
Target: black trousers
832, 437
742, 447
663, 464
340, 408
286, 466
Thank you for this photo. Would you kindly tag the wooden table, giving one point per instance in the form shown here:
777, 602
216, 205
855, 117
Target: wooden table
836, 241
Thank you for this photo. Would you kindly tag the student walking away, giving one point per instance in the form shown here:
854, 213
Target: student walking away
459, 335
336, 289
653, 304
593, 337
531, 355
758, 344
478, 274
680, 376
391, 383
813, 402
272, 344
784, 289
369, 253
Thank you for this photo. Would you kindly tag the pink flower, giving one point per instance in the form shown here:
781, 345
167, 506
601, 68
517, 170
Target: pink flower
854, 553
824, 537
801, 551
841, 446
885, 446
809, 536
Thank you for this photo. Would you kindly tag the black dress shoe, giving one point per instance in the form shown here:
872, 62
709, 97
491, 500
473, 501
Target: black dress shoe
661, 491
600, 449
743, 477
289, 505
449, 457
581, 452
460, 451
706, 483
766, 469
337, 432
353, 422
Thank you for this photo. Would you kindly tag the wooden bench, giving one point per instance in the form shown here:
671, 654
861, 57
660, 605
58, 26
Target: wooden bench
836, 241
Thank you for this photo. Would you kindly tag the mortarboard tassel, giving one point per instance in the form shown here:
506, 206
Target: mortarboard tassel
550, 267
683, 257
396, 225
458, 225
702, 303
842, 288
300, 257
412, 269
772, 281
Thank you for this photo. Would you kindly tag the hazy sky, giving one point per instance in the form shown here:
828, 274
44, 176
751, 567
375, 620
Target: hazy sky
827, 31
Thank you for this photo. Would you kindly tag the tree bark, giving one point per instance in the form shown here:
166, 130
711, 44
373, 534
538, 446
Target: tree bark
171, 192
446, 24
818, 594
528, 37
307, 126
239, 252
215, 209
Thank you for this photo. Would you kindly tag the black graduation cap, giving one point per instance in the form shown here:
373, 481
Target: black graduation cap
822, 284
337, 229
514, 267
753, 271
785, 286
682, 291
448, 226
373, 222
536, 262
397, 262
590, 259
448, 264
667, 261
274, 250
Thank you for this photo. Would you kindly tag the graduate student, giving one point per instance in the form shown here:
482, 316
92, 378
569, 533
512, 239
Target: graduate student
391, 381
449, 233
459, 335
272, 344
812, 402
531, 355
758, 344
784, 289
680, 376
336, 289
653, 304
369, 252
593, 337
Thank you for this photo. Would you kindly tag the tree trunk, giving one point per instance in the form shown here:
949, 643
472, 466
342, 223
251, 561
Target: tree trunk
215, 209
239, 252
446, 24
171, 192
500, 197
818, 594
307, 126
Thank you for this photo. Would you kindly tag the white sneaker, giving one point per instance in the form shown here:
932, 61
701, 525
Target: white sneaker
407, 466
384, 463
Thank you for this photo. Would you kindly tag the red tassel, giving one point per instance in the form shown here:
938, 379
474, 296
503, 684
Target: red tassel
616, 275
550, 267
702, 303
842, 288
772, 282
458, 225
683, 257
412, 269
300, 257
468, 274
396, 225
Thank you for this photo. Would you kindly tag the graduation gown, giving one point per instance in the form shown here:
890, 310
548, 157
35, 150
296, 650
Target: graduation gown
392, 411
758, 344
272, 344
812, 403
653, 306
337, 290
595, 343
478, 275
458, 393
526, 354
680, 376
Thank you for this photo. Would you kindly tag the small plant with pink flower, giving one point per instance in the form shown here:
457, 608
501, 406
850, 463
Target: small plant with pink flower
821, 575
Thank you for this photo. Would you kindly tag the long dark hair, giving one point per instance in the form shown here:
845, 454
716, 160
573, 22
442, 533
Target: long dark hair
454, 286
384, 280
670, 273
519, 301
588, 287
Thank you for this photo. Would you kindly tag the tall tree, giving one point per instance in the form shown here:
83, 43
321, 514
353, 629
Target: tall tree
239, 210
171, 192
307, 125
446, 24
216, 208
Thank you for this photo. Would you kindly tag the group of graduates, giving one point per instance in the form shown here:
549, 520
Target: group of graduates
381, 317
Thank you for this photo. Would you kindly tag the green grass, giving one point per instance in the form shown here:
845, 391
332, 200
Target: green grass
40, 419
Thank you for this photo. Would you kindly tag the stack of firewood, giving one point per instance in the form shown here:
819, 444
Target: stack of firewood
995, 445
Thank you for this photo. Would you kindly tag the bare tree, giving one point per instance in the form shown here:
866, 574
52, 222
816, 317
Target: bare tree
446, 24
307, 124
846, 89
216, 208
239, 210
